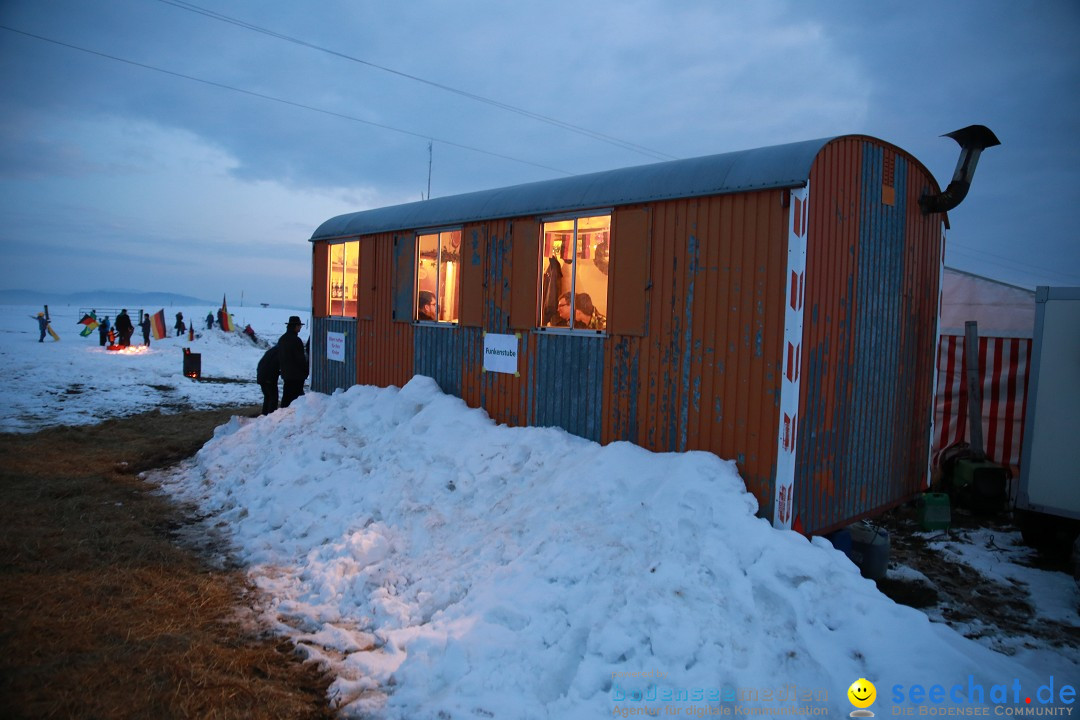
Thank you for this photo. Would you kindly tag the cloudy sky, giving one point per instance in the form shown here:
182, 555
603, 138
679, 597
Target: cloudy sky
193, 148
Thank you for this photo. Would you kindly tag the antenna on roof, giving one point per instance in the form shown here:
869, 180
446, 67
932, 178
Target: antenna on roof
429, 170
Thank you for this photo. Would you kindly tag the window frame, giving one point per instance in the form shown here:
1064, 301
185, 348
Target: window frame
438, 232
609, 213
342, 303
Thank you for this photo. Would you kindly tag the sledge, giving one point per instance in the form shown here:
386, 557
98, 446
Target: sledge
48, 325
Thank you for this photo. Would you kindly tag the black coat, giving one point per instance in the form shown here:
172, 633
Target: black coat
123, 324
268, 369
291, 357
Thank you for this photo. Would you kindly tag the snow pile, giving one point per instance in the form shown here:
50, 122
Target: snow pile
446, 567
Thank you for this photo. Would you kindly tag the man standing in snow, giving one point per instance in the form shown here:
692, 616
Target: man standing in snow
266, 374
124, 328
144, 324
293, 362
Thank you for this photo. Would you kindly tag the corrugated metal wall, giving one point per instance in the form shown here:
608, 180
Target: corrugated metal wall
328, 375
504, 396
706, 374
871, 303
384, 347
438, 355
706, 377
567, 383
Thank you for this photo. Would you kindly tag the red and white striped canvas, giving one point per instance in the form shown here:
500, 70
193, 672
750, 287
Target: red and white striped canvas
1003, 370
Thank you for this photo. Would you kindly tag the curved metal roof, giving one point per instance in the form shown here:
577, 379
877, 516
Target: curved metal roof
765, 168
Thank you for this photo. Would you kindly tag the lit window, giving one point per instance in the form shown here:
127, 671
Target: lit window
438, 265
574, 273
343, 280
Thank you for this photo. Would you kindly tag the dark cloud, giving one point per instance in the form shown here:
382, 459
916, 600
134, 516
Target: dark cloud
682, 79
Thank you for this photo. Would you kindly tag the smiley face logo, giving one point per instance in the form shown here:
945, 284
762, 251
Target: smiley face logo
862, 694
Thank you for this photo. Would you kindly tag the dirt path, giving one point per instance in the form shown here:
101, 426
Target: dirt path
103, 614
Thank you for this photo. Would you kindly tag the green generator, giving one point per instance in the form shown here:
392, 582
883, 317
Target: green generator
979, 485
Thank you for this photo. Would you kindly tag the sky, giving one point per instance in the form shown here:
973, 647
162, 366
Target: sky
194, 148
441, 565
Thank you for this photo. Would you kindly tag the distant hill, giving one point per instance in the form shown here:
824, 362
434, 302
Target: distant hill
120, 298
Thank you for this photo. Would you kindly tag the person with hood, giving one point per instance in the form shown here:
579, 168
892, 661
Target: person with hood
293, 362
181, 328
43, 325
144, 324
209, 320
103, 332
124, 328
267, 373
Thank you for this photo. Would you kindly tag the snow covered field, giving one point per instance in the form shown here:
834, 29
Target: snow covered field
76, 381
446, 567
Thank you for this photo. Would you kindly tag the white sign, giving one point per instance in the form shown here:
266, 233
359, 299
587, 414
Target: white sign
501, 353
335, 346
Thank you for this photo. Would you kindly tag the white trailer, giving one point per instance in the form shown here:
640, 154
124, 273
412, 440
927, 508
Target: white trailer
1048, 501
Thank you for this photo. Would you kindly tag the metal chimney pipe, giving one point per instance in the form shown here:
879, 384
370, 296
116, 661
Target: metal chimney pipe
972, 140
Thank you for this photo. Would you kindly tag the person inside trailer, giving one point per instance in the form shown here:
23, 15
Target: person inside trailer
586, 316
426, 307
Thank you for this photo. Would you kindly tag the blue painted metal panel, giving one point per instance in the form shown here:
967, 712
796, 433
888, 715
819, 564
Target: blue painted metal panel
746, 170
869, 461
863, 432
438, 354
568, 383
328, 375
404, 285
625, 389
874, 380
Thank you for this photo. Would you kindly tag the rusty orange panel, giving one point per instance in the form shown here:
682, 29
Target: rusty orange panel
872, 283
365, 298
319, 293
707, 375
384, 348
629, 270
503, 396
473, 241
525, 275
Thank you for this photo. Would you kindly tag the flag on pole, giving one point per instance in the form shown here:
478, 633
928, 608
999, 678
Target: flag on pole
91, 323
224, 319
157, 324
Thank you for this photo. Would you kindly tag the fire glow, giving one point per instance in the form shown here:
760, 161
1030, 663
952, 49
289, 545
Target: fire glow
129, 350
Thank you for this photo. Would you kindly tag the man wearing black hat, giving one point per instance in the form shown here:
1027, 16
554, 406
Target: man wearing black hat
293, 361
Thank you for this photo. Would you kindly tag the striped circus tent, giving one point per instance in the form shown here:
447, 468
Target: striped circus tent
1006, 319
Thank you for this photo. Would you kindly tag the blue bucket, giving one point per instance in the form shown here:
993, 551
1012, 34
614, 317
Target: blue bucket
870, 550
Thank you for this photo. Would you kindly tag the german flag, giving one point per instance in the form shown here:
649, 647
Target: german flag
224, 318
91, 323
157, 324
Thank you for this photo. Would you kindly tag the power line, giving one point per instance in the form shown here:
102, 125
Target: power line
190, 7
1009, 263
283, 101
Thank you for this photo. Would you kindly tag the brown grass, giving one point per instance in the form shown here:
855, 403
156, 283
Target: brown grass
103, 614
